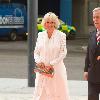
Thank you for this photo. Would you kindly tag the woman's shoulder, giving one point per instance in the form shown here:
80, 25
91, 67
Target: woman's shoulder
41, 34
62, 34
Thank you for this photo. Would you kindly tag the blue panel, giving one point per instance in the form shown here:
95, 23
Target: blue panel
66, 11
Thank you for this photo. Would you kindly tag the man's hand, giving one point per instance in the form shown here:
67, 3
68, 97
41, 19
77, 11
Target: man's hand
98, 58
86, 76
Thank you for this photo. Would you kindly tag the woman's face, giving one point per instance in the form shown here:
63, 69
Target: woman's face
49, 25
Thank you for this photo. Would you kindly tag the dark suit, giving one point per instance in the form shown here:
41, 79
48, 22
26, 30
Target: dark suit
92, 66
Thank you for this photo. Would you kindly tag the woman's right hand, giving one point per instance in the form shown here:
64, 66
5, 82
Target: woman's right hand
40, 65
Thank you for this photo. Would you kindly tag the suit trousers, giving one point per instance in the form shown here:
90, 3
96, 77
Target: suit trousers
93, 91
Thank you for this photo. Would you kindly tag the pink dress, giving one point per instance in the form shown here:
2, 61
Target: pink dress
51, 51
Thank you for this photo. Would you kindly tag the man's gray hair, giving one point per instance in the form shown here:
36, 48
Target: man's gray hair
96, 9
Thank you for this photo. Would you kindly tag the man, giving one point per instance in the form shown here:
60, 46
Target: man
92, 61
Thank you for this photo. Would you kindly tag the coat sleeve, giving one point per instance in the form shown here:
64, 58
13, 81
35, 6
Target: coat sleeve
37, 50
63, 51
87, 62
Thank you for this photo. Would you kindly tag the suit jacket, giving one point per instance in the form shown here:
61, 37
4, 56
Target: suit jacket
92, 65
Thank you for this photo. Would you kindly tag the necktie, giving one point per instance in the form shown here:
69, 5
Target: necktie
98, 37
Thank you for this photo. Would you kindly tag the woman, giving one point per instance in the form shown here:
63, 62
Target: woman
50, 51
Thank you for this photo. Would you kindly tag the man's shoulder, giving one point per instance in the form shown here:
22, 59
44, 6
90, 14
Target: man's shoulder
92, 33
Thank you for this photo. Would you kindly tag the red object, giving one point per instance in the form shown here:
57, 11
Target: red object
47, 71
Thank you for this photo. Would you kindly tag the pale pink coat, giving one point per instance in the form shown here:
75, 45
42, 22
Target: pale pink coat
51, 51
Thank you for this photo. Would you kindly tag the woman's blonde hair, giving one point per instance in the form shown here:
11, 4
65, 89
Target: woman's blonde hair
52, 17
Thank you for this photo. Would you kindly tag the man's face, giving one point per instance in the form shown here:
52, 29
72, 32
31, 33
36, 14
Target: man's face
96, 19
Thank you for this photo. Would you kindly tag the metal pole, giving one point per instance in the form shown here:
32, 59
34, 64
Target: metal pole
32, 9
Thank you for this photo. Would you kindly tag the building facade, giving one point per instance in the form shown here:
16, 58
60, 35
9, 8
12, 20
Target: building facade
72, 12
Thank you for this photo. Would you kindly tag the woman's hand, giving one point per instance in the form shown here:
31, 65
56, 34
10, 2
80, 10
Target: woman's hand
49, 68
40, 65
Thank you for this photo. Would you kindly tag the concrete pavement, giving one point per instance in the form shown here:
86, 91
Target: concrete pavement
17, 89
